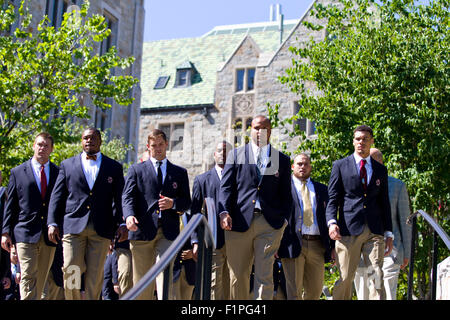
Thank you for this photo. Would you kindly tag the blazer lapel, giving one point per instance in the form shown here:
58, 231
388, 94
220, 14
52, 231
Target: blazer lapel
251, 163
297, 213
54, 171
79, 169
30, 174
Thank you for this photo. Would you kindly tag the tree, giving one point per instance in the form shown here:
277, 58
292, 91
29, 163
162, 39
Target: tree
384, 64
48, 75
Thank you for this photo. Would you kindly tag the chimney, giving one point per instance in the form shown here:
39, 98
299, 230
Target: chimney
272, 13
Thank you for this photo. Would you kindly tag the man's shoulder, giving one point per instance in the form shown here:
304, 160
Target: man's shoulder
319, 185
394, 181
111, 161
176, 168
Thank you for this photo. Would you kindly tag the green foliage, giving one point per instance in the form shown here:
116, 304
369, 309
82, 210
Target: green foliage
384, 64
48, 76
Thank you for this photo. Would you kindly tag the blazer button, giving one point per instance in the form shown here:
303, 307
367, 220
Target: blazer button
42, 218
365, 207
253, 201
88, 207
43, 204
365, 194
157, 211
259, 188
90, 193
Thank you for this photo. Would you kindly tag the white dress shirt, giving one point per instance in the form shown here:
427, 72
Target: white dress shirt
368, 166
314, 228
219, 171
37, 171
163, 167
91, 168
264, 161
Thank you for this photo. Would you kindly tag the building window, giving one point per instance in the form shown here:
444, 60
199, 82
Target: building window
183, 78
161, 82
241, 135
303, 124
55, 10
175, 134
103, 117
245, 79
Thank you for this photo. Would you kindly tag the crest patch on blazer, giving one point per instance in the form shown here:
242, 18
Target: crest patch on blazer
378, 182
110, 180
277, 174
175, 185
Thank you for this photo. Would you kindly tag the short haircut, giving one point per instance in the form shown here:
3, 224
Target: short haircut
46, 136
263, 117
304, 154
156, 133
365, 128
96, 131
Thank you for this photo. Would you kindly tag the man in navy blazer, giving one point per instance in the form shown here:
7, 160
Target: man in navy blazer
255, 205
25, 217
305, 246
359, 215
207, 185
86, 207
156, 193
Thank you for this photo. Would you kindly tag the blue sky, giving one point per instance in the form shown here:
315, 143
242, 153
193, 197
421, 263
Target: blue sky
171, 19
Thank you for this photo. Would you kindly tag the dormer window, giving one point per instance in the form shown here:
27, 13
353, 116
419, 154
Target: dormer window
185, 73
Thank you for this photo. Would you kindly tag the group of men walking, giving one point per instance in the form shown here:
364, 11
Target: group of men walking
266, 208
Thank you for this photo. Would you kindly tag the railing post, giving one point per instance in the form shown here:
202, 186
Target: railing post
165, 295
207, 266
434, 267
200, 263
411, 261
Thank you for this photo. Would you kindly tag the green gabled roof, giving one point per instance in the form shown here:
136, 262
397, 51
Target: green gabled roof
206, 54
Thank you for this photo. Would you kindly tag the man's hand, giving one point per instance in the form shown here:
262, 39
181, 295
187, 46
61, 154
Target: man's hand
333, 232
132, 223
195, 251
122, 234
6, 242
165, 203
405, 263
389, 244
53, 234
225, 221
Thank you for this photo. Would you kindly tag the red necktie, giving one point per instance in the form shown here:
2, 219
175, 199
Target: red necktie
363, 173
43, 183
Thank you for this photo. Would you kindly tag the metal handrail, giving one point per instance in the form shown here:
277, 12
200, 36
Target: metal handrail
412, 219
208, 239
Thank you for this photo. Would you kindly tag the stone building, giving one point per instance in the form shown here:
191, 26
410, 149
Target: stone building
206, 89
125, 18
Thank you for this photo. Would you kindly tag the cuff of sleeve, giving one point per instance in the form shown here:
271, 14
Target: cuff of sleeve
332, 221
52, 225
389, 234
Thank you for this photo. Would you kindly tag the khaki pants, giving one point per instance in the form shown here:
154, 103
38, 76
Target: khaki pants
35, 262
84, 253
182, 290
220, 275
306, 273
51, 289
258, 244
144, 255
125, 270
348, 252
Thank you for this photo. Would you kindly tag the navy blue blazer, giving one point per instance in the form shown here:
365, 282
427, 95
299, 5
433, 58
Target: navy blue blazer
25, 214
351, 206
240, 187
140, 199
72, 203
207, 185
110, 277
291, 242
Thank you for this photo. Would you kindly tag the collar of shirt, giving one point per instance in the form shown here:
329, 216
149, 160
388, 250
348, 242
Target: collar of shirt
91, 162
37, 165
163, 166
359, 158
298, 182
264, 152
219, 171
368, 165
37, 171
